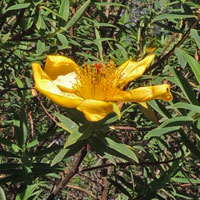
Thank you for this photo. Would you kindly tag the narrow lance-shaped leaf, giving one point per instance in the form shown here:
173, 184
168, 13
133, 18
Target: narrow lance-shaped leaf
18, 6
64, 11
195, 66
25, 195
119, 147
77, 15
185, 86
195, 35
189, 144
186, 106
98, 42
172, 16
154, 186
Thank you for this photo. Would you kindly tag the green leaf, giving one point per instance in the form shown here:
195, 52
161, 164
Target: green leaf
20, 128
111, 4
5, 38
120, 187
69, 151
64, 11
66, 123
195, 66
188, 143
55, 13
73, 138
181, 59
168, 27
186, 106
59, 157
178, 121
39, 22
18, 6
172, 17
98, 42
154, 186
19, 82
77, 15
117, 110
100, 148
76, 133
161, 131
185, 180
2, 194
195, 35
25, 195
160, 108
88, 56
185, 86
123, 149
41, 47
63, 39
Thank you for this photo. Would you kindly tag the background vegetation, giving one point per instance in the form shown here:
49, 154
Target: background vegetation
165, 138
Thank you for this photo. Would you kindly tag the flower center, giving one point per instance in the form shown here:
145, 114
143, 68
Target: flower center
97, 81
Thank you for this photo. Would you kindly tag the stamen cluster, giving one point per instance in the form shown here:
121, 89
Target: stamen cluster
97, 81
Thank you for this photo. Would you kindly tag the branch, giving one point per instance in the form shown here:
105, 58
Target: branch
170, 53
130, 163
82, 190
74, 170
45, 110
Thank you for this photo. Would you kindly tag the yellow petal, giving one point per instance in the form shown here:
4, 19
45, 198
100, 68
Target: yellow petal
131, 70
95, 110
58, 65
143, 104
47, 87
144, 94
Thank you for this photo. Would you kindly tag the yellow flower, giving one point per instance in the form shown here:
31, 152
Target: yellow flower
93, 89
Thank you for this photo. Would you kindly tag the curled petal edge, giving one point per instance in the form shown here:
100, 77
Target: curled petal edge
131, 70
57, 65
144, 94
46, 86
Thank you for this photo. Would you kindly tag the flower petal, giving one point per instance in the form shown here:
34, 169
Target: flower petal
67, 82
144, 94
131, 70
58, 65
95, 110
47, 87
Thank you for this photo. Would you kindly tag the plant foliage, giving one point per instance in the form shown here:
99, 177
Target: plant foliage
150, 153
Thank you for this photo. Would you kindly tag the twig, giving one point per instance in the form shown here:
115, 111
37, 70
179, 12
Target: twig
107, 9
104, 182
31, 123
129, 128
128, 164
45, 110
174, 36
117, 17
72, 35
74, 170
170, 53
82, 190
167, 46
